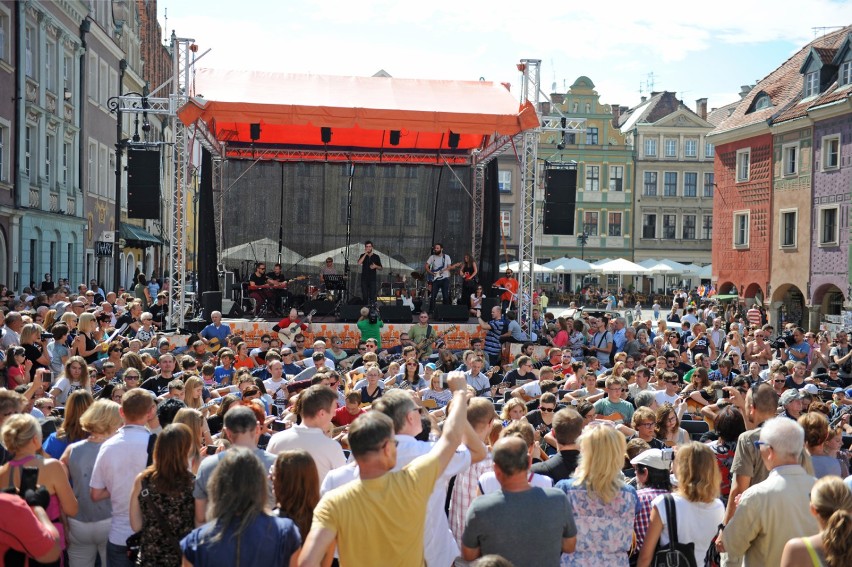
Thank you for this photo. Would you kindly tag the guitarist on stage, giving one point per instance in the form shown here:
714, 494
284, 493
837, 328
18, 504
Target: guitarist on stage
217, 332
257, 287
421, 333
282, 296
292, 325
438, 266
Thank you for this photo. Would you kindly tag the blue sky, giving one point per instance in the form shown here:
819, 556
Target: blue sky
617, 44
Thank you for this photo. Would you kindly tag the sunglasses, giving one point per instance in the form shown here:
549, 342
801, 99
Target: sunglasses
547, 410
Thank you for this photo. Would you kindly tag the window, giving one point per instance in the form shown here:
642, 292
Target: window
50, 67
844, 75
368, 210
67, 74
690, 184
671, 148
593, 178
743, 164
688, 229
669, 226
504, 181
388, 210
4, 36
762, 101
831, 152
93, 169
649, 226
650, 183
614, 224
709, 150
741, 232
690, 148
709, 183
28, 139
616, 178
103, 172
590, 223
28, 51
787, 228
103, 83
93, 76
506, 223
812, 84
66, 152
409, 217
592, 136
670, 184
650, 146
790, 158
828, 233
48, 153
3, 145
707, 227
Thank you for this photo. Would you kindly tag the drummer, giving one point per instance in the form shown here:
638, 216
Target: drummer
327, 269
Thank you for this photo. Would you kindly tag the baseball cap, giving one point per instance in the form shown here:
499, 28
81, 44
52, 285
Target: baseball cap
651, 458
839, 391
431, 366
811, 389
789, 396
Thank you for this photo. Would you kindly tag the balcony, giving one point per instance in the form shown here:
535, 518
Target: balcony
35, 198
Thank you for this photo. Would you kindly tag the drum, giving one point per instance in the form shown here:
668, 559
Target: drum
312, 291
397, 292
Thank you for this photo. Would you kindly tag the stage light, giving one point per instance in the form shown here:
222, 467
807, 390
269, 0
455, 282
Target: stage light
254, 131
325, 133
453, 140
394, 137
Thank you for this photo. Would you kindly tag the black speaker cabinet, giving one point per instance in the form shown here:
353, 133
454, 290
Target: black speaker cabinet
350, 313
143, 184
210, 301
489, 303
395, 314
321, 307
458, 313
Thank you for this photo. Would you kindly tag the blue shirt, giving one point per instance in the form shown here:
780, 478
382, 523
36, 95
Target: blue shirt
211, 331
223, 374
268, 540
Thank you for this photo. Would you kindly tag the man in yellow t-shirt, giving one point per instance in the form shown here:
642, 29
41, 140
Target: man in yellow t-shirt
355, 515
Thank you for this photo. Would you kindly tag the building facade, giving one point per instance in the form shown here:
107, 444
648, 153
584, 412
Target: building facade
674, 181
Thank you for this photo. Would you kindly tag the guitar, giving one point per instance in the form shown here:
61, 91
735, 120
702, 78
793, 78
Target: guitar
429, 341
432, 274
278, 285
288, 334
213, 345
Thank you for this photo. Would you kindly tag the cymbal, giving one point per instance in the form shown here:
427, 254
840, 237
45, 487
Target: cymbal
417, 276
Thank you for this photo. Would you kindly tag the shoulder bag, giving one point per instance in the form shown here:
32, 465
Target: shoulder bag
675, 554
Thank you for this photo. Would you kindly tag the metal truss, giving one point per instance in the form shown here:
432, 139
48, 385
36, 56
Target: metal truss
530, 91
478, 209
341, 156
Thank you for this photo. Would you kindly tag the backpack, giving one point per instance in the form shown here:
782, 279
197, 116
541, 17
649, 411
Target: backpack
675, 554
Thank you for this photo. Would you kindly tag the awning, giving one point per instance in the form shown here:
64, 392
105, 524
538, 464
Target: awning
137, 237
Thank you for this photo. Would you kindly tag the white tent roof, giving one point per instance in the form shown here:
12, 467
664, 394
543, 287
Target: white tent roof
261, 250
655, 266
619, 266
537, 268
693, 269
706, 272
569, 266
355, 250
676, 267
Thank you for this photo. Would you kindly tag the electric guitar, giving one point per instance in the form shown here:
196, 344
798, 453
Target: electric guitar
429, 341
279, 285
288, 333
432, 274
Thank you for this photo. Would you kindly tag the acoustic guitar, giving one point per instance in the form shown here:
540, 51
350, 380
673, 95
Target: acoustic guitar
429, 341
279, 285
288, 333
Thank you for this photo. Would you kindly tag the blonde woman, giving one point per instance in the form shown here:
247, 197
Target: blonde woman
194, 394
88, 530
86, 344
193, 419
604, 506
69, 319
49, 319
831, 504
35, 347
75, 377
71, 429
513, 410
698, 510
21, 436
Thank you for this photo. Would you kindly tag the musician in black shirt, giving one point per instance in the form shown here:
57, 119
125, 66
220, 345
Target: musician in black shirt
257, 287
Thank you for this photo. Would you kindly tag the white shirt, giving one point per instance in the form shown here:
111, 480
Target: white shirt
663, 398
327, 453
120, 459
439, 264
488, 482
438, 542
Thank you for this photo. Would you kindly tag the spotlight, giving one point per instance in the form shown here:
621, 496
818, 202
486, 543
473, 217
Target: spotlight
146, 126
325, 133
394, 137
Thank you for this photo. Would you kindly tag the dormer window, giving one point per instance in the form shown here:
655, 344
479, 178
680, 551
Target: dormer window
844, 77
811, 84
762, 101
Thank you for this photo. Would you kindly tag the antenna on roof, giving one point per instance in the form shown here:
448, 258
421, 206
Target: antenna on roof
822, 30
647, 86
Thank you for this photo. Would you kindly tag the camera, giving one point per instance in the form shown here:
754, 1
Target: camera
46, 336
784, 341
667, 454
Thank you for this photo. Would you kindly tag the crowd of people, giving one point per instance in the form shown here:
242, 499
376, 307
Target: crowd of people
622, 443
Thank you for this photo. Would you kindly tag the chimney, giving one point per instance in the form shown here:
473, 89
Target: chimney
644, 98
701, 108
557, 98
616, 114
622, 109
744, 90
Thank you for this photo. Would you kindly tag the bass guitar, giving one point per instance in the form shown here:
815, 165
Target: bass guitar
429, 341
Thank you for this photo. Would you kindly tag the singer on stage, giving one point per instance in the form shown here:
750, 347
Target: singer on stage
370, 264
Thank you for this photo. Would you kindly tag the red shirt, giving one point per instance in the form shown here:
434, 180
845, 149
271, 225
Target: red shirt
511, 285
21, 530
343, 417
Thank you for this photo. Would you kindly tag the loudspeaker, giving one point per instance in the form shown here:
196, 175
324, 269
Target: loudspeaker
227, 305
395, 314
488, 303
195, 326
394, 137
143, 184
450, 313
560, 198
325, 134
453, 140
210, 301
254, 131
350, 313
322, 307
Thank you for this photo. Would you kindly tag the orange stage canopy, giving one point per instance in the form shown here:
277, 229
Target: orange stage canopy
361, 111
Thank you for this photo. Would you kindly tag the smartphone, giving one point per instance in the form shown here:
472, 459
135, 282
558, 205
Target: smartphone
668, 454
720, 394
211, 449
29, 479
278, 425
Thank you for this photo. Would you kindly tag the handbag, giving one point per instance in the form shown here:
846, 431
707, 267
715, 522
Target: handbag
713, 558
675, 554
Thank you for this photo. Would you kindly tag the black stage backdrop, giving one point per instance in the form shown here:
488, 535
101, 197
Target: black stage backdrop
392, 205
207, 274
490, 259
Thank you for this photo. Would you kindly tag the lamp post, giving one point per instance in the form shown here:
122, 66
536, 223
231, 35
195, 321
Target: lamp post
114, 105
582, 239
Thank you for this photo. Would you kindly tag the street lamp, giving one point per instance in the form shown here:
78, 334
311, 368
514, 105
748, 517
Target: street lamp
114, 105
582, 239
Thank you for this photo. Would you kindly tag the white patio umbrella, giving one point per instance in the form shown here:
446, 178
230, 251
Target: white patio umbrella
261, 250
693, 269
706, 272
569, 266
677, 267
655, 267
537, 268
355, 250
619, 266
